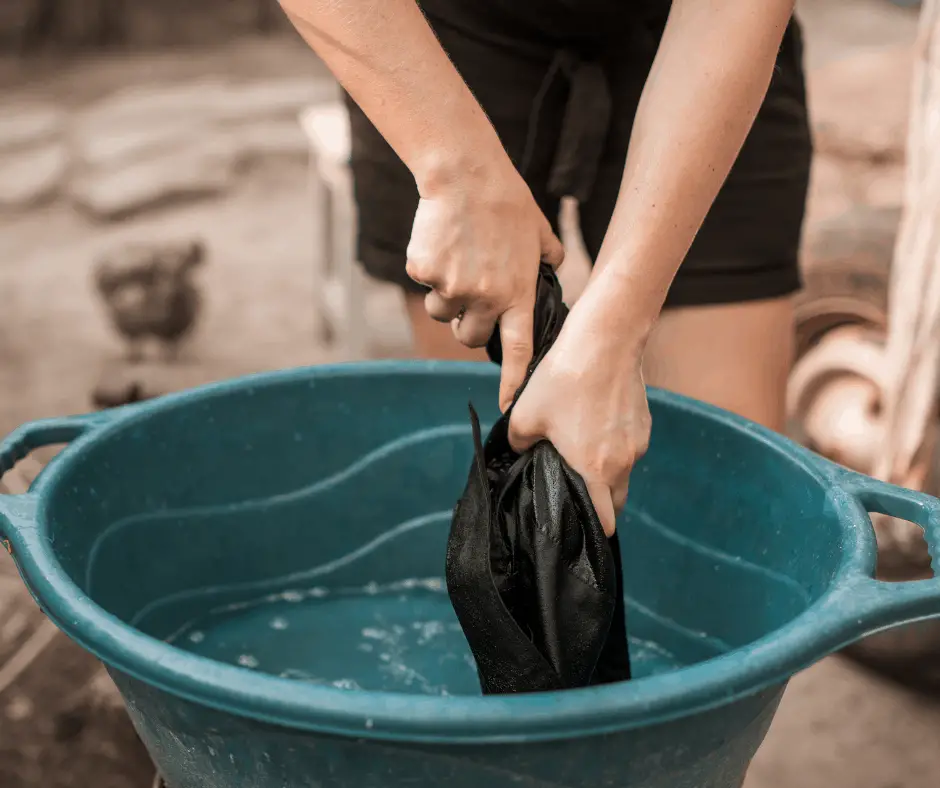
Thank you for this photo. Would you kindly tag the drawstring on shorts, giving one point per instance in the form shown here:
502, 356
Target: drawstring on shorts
584, 129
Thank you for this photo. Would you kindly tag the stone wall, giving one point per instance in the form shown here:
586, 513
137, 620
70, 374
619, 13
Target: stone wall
148, 146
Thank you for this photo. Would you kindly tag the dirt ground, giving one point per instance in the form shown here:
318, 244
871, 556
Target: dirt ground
839, 726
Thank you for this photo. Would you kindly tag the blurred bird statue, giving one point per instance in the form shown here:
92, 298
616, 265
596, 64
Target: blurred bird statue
151, 296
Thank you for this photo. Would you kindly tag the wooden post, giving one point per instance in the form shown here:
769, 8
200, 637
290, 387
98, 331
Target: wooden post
912, 348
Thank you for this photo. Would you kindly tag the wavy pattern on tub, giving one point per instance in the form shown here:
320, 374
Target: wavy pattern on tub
425, 455
709, 645
732, 562
298, 582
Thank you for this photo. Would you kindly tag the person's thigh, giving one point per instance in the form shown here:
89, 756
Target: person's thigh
735, 356
726, 333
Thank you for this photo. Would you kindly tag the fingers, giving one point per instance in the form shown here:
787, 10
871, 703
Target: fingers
553, 252
442, 309
608, 501
515, 333
604, 506
474, 328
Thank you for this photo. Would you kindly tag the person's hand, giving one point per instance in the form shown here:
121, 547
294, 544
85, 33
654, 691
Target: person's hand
588, 398
477, 244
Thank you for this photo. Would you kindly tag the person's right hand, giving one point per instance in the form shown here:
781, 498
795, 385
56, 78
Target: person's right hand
477, 243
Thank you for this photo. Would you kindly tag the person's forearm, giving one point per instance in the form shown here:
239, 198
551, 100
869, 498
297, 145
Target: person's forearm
709, 79
386, 56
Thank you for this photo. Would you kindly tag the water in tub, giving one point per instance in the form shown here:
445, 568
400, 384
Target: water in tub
402, 637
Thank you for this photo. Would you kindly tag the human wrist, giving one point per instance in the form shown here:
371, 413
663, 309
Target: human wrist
621, 308
472, 164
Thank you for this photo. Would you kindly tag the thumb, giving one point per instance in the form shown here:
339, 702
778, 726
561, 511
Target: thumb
524, 433
515, 333
553, 251
604, 505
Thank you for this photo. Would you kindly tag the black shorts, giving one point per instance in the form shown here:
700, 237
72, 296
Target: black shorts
561, 87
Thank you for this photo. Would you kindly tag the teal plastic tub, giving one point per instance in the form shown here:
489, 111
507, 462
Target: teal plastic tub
259, 564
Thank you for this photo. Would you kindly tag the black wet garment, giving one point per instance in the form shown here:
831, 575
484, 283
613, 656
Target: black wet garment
535, 583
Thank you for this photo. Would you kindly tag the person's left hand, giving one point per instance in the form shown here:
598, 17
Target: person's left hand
588, 398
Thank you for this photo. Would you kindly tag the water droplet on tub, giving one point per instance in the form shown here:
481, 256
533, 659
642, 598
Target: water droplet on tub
248, 661
296, 675
279, 623
292, 596
197, 636
369, 724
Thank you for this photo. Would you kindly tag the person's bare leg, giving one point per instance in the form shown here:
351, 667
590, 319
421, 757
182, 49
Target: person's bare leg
735, 356
435, 340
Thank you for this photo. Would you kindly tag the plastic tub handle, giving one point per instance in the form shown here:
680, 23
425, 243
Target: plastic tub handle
47, 432
919, 508
869, 605
17, 511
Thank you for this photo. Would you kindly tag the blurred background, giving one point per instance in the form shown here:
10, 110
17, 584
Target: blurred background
174, 209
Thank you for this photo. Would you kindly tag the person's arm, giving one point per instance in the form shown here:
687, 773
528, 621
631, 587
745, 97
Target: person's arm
478, 235
706, 86
386, 56
709, 79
